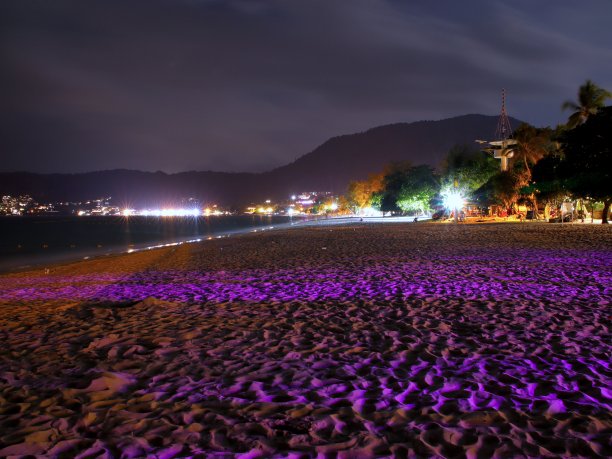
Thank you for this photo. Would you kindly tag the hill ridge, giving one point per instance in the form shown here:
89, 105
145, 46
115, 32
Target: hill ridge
328, 167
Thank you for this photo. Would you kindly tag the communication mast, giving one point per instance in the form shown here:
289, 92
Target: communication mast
503, 146
504, 130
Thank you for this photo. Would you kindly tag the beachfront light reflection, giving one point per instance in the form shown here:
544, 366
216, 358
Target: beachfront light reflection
171, 212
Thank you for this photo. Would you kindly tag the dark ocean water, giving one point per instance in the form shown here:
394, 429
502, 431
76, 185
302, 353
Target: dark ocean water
33, 241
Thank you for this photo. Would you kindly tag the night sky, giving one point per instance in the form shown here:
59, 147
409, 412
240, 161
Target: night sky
250, 85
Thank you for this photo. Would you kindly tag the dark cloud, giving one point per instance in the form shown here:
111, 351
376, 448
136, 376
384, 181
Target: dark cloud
248, 85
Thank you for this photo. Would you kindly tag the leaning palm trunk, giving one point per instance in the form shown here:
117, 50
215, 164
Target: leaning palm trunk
534, 206
606, 210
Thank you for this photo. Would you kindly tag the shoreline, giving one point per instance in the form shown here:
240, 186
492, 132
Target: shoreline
320, 222
64, 258
67, 257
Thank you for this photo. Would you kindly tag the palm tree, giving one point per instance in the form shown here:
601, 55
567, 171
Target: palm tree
590, 99
533, 145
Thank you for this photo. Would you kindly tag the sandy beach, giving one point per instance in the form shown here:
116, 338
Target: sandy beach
362, 340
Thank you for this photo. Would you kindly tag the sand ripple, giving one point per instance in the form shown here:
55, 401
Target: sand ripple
394, 341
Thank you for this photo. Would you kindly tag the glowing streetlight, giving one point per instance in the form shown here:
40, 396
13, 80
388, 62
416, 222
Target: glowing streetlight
453, 199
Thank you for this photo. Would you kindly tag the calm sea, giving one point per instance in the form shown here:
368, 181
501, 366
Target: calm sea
34, 241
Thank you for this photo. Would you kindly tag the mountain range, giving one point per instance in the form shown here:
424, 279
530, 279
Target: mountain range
330, 167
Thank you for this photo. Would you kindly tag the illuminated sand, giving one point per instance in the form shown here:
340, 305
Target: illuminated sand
372, 340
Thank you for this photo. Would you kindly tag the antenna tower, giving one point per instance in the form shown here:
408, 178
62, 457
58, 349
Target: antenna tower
503, 146
504, 130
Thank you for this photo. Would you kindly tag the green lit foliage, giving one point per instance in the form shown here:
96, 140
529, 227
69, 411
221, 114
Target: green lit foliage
395, 177
376, 201
468, 167
419, 188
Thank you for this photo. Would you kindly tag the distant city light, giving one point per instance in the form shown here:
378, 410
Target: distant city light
172, 212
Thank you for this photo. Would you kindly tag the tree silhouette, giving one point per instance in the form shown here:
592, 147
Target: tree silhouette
590, 99
533, 145
587, 166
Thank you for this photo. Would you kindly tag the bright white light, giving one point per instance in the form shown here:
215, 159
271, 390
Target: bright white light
171, 212
371, 212
334, 206
453, 200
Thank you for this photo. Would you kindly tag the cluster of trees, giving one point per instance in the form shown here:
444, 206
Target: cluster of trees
573, 161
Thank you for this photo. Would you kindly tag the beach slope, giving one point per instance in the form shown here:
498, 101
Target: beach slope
390, 340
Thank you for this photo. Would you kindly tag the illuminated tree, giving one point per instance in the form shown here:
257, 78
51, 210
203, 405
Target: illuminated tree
504, 189
468, 167
533, 145
376, 201
419, 188
395, 177
360, 193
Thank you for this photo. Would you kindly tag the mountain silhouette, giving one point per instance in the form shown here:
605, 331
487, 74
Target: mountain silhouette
330, 167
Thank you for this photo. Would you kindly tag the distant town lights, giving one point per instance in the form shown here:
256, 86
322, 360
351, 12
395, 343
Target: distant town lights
172, 212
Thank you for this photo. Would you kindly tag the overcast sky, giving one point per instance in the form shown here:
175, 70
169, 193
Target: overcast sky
246, 85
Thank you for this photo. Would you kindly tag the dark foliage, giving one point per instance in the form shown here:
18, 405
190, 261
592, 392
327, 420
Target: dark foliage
587, 168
